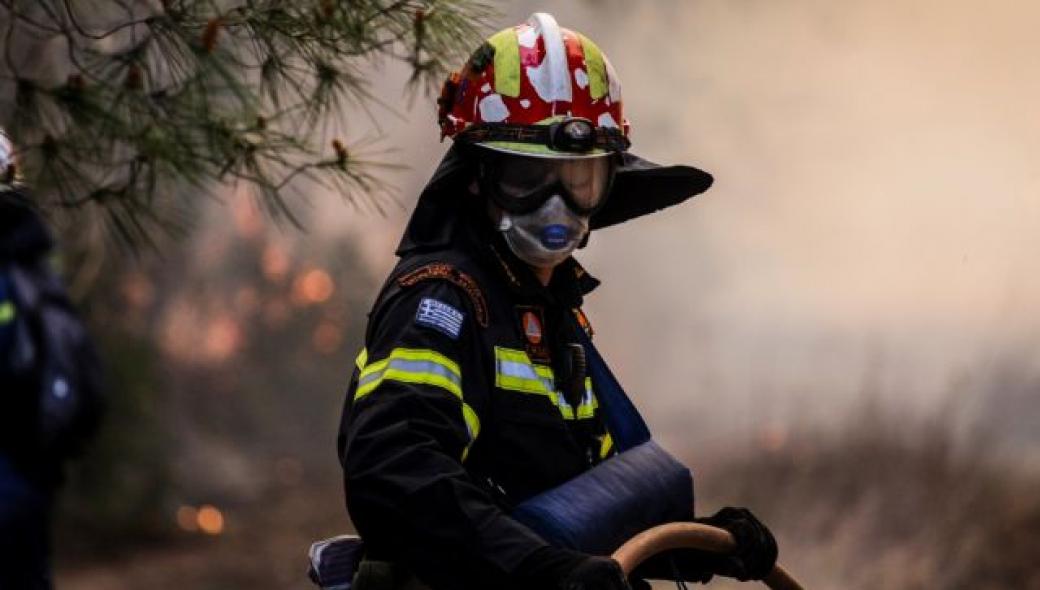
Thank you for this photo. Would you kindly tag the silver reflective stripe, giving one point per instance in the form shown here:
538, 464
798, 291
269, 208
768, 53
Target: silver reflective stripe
523, 371
516, 372
410, 366
515, 369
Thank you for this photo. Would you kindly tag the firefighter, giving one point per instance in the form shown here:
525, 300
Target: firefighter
465, 401
50, 384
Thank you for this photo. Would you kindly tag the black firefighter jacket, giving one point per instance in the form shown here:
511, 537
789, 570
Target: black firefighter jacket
462, 404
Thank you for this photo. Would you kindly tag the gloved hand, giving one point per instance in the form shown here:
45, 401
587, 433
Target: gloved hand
756, 550
564, 569
596, 573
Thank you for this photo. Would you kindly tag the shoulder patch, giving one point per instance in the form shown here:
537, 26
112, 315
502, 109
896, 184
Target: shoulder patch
440, 316
447, 272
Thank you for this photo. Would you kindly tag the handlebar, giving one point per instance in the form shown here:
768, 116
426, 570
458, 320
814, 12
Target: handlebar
690, 535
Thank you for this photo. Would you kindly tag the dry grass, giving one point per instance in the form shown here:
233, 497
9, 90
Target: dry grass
884, 503
889, 503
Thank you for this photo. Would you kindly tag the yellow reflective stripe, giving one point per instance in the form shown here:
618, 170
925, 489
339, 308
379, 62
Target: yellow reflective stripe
586, 408
472, 425
589, 403
514, 371
522, 385
605, 446
6, 312
420, 366
406, 365
507, 62
362, 359
597, 69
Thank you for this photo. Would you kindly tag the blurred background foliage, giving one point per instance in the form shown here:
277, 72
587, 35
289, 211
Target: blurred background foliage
127, 113
227, 360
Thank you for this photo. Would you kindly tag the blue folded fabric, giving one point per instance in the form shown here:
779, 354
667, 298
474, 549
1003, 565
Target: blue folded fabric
602, 508
641, 487
624, 423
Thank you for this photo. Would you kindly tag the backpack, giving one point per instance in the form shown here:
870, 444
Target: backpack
46, 354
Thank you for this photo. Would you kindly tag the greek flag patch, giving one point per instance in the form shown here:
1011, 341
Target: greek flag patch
440, 316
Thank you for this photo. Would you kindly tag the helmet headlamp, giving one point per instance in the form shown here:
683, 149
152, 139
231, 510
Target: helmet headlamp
572, 135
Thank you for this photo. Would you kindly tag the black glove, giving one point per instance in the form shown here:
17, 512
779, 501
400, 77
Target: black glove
596, 573
756, 550
563, 569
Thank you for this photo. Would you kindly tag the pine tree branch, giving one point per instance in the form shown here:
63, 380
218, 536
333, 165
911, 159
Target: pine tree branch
142, 98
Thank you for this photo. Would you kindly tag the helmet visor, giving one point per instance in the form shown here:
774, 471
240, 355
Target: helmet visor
524, 183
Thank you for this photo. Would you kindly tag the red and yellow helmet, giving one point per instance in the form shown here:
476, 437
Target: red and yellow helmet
536, 89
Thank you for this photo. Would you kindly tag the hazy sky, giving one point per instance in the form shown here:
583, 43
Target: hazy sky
876, 211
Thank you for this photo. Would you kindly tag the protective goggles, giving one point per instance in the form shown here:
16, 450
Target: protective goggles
521, 184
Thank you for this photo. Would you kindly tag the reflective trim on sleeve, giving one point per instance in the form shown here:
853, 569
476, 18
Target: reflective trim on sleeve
362, 359
406, 365
423, 367
472, 425
7, 312
514, 371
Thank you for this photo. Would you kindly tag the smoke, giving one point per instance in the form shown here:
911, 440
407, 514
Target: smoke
874, 220
875, 214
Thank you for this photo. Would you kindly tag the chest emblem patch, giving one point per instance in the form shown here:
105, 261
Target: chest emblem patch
531, 321
532, 328
440, 316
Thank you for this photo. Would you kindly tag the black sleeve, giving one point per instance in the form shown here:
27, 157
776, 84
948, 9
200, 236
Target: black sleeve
402, 445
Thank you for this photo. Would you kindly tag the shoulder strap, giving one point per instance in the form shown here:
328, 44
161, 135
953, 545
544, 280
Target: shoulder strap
626, 425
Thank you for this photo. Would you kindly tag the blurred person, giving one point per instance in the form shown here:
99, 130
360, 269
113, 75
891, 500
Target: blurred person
49, 384
467, 399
